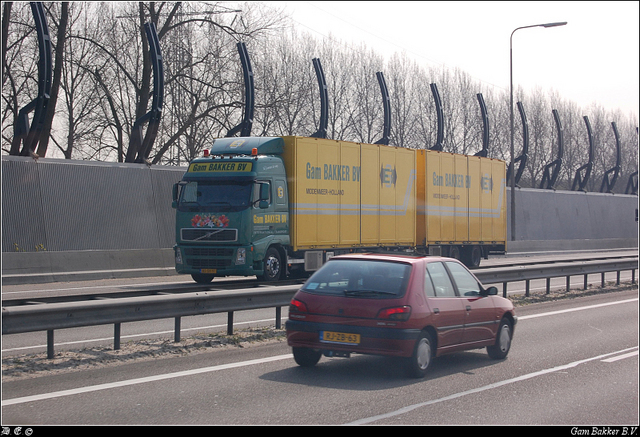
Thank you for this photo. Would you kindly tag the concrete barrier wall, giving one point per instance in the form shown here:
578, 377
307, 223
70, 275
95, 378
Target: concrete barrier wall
68, 220
85, 265
570, 215
62, 205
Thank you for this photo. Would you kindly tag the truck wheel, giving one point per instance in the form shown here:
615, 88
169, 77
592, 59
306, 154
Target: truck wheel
272, 266
472, 256
202, 278
454, 252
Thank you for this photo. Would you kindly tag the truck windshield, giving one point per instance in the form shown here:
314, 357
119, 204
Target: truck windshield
215, 196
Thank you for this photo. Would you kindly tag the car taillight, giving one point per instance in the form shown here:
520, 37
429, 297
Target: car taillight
395, 313
297, 305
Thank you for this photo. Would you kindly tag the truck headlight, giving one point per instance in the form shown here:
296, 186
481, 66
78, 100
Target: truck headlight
241, 256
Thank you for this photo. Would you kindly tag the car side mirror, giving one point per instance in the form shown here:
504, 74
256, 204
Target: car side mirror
491, 291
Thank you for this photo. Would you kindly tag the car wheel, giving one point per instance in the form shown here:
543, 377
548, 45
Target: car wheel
422, 356
272, 265
202, 278
501, 348
306, 357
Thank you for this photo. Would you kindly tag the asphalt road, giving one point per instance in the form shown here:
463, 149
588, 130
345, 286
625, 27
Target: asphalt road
573, 362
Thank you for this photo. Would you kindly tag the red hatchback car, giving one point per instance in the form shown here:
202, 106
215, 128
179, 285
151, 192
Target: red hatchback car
405, 306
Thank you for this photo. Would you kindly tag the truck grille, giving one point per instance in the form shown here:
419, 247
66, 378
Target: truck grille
208, 257
208, 251
208, 235
208, 263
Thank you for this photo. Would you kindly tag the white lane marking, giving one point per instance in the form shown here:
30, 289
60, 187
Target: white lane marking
588, 307
621, 357
93, 388
483, 388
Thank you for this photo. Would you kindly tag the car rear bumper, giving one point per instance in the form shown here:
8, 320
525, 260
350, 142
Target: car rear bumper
373, 340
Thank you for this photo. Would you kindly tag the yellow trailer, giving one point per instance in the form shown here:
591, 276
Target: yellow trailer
349, 195
345, 195
462, 206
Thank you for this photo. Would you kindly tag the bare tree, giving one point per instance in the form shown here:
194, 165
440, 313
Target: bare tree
540, 127
425, 131
19, 75
289, 83
364, 109
6, 13
402, 80
338, 65
79, 89
497, 103
60, 22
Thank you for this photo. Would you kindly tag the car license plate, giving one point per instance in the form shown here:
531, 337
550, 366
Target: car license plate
339, 337
208, 271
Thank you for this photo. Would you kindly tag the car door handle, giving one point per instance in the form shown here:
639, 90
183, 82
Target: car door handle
436, 310
468, 308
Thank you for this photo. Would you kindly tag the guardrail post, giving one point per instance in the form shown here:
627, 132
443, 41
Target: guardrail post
633, 276
586, 285
618, 277
504, 289
278, 317
568, 283
528, 287
548, 285
50, 344
230, 323
116, 336
176, 330
602, 280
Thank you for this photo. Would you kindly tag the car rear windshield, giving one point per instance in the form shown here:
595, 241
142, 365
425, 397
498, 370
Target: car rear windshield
360, 278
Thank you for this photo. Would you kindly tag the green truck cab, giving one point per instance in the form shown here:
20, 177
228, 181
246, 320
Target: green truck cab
232, 212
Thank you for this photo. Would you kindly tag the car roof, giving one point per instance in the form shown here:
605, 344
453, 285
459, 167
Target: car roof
393, 256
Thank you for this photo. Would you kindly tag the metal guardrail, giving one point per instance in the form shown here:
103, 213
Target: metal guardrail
52, 316
563, 269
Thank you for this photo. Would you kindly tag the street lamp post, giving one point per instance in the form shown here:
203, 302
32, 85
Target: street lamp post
512, 178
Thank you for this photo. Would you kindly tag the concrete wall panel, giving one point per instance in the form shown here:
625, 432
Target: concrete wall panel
568, 215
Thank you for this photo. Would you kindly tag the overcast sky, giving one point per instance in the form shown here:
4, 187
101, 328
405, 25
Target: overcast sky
593, 59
